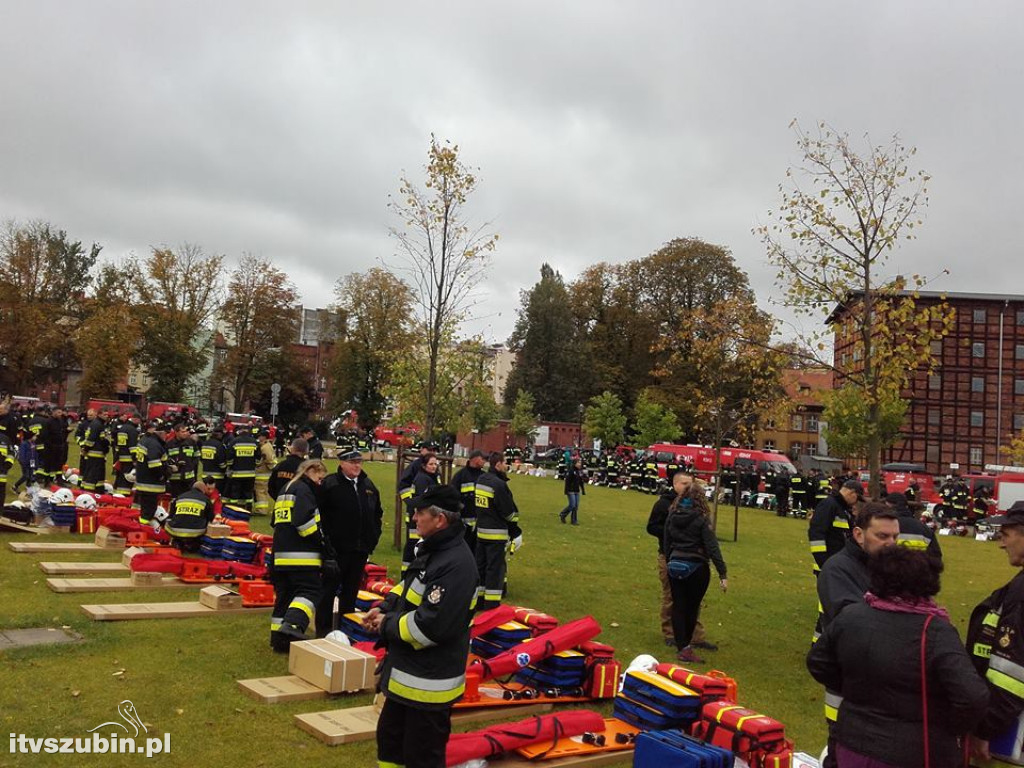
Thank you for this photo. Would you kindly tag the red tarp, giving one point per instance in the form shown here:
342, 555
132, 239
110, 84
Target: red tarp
538, 648
497, 739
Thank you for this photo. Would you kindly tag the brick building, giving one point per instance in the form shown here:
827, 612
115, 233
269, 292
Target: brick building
967, 410
798, 432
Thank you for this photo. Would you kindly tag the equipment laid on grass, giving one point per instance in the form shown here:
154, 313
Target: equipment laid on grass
539, 648
709, 688
616, 736
543, 729
649, 700
749, 734
658, 749
138, 611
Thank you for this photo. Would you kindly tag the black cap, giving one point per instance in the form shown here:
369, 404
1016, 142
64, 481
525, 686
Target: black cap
351, 456
1013, 516
477, 454
443, 496
854, 485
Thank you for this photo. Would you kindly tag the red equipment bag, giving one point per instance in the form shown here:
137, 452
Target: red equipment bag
373, 572
730, 684
709, 688
602, 678
536, 620
741, 730
539, 648
85, 522
485, 621
498, 739
595, 649
161, 562
367, 647
382, 587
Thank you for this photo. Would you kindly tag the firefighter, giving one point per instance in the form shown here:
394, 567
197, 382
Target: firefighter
823, 490
425, 478
995, 639
94, 449
181, 459
796, 490
299, 549
150, 470
351, 515
6, 462
126, 437
830, 524
265, 462
282, 474
241, 469
424, 624
781, 489
214, 457
190, 513
55, 439
36, 425
913, 533
464, 481
316, 448
497, 523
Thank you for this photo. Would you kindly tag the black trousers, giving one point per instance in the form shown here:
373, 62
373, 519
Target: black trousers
296, 594
345, 586
687, 595
94, 472
240, 492
147, 503
491, 567
411, 737
121, 484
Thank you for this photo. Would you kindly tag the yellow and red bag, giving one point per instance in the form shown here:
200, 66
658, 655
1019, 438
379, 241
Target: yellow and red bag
741, 730
85, 522
730, 684
602, 678
709, 688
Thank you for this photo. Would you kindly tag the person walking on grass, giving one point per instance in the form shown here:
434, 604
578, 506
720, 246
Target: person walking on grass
690, 545
575, 485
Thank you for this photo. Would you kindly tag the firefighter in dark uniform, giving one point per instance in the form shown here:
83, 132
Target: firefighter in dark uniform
242, 469
350, 516
190, 513
214, 458
284, 471
299, 549
37, 426
464, 481
150, 471
316, 448
6, 462
424, 624
94, 448
995, 639
55, 436
781, 488
126, 437
497, 523
913, 533
425, 478
181, 459
830, 524
796, 490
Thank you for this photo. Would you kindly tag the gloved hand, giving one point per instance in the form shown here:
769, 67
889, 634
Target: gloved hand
330, 569
517, 543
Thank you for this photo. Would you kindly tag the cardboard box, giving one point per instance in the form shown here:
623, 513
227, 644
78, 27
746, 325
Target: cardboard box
129, 553
218, 531
332, 666
147, 578
107, 539
220, 598
271, 690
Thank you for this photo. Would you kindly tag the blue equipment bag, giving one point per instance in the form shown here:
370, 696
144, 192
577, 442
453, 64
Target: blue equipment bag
659, 749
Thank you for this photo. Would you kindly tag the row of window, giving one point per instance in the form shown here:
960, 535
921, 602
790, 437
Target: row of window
977, 383
977, 418
795, 449
977, 352
980, 316
976, 455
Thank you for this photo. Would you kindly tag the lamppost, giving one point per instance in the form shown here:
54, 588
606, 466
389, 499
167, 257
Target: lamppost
579, 437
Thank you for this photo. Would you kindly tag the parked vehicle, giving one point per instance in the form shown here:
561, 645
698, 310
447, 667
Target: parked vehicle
704, 460
395, 437
898, 476
169, 411
115, 407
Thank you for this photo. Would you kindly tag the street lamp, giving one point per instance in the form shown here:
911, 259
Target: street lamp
579, 437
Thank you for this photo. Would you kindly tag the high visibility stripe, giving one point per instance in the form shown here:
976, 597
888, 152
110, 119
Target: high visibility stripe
304, 605
150, 487
261, 476
410, 631
308, 527
155, 464
297, 558
386, 764
484, 490
275, 623
1007, 667
1007, 683
243, 475
840, 523
467, 487
832, 703
416, 688
818, 548
415, 593
185, 533
991, 619
492, 534
408, 493
913, 541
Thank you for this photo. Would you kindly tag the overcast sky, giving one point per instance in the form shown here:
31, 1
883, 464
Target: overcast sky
600, 129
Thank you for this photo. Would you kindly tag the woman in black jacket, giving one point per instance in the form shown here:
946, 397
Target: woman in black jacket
575, 484
871, 653
689, 544
425, 479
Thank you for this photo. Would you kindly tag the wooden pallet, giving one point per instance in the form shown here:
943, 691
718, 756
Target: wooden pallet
109, 585
29, 547
69, 569
137, 611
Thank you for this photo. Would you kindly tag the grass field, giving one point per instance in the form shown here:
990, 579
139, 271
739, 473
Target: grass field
181, 674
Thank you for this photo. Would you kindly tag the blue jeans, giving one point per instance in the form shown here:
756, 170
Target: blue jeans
571, 508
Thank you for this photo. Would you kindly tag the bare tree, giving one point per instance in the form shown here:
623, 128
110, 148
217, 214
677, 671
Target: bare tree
444, 256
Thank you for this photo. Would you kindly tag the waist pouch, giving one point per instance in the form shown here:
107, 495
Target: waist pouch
680, 569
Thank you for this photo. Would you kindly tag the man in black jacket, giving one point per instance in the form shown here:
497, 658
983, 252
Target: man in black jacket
497, 523
285, 469
844, 579
464, 481
995, 638
424, 623
829, 528
350, 518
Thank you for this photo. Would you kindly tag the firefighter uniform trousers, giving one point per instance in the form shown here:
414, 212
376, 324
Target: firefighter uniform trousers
262, 505
491, 565
404, 731
296, 593
240, 491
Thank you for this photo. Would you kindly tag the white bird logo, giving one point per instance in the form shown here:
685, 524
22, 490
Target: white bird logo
127, 711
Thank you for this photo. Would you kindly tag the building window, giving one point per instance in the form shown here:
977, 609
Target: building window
857, 354
978, 349
931, 454
795, 449
935, 380
977, 456
846, 358
797, 423
812, 423
1018, 386
979, 315
769, 445
770, 424
1020, 317
934, 417
812, 449
977, 419
936, 347
977, 383
1018, 351
1018, 421
133, 380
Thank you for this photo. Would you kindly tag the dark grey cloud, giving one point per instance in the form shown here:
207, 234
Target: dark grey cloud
600, 129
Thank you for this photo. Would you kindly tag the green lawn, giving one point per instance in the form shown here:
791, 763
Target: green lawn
181, 674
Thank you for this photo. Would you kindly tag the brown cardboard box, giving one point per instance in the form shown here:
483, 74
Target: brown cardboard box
129, 553
147, 578
271, 690
331, 666
218, 531
220, 598
107, 539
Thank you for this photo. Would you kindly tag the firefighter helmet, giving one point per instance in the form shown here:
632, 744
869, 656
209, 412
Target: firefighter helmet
85, 501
